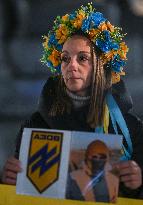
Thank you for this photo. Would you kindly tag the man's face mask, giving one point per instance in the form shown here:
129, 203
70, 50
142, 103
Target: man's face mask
97, 163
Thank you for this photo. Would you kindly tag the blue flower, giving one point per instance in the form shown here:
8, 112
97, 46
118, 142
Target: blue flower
58, 69
92, 21
105, 43
107, 36
103, 46
116, 64
52, 68
96, 19
85, 24
49, 64
108, 39
114, 46
52, 40
72, 16
59, 47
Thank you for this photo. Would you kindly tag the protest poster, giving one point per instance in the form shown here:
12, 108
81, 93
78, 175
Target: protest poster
69, 165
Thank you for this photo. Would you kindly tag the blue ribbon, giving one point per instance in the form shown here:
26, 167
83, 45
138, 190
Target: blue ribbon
117, 118
99, 129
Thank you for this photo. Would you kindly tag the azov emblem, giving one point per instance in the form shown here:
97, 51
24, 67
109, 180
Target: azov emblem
44, 159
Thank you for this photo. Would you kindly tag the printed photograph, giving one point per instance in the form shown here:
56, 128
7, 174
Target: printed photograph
92, 172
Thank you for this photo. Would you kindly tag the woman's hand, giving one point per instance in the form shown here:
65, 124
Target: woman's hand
130, 174
10, 171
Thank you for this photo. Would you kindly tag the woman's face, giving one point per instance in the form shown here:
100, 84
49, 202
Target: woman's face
77, 66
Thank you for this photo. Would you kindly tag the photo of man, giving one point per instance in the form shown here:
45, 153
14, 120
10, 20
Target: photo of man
95, 180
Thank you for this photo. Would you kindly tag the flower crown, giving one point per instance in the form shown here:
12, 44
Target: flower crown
99, 30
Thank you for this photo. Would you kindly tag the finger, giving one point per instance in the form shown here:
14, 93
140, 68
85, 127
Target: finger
132, 181
11, 175
130, 174
13, 164
12, 167
126, 164
132, 184
130, 178
10, 181
14, 161
128, 167
129, 170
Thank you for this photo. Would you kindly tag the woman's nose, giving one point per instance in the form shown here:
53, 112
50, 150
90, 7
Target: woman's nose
73, 65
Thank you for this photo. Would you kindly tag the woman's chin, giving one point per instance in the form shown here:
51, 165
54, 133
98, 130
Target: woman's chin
74, 86
78, 90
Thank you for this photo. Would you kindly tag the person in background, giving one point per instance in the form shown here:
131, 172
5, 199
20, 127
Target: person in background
88, 55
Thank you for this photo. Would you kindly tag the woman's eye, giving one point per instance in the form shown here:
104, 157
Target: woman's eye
65, 59
83, 58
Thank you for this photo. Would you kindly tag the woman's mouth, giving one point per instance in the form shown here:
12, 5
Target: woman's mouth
72, 77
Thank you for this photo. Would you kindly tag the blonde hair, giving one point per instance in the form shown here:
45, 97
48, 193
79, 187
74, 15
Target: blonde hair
101, 83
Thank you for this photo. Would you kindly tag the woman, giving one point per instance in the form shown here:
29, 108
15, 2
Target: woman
89, 55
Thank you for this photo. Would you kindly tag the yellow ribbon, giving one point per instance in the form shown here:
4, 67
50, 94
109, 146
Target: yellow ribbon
106, 119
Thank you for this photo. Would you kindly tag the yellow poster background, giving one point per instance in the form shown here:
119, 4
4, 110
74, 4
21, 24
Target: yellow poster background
8, 196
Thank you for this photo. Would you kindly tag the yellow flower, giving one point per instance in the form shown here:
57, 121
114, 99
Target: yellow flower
123, 50
55, 57
45, 43
93, 33
77, 22
103, 26
65, 17
62, 40
116, 77
106, 26
110, 27
62, 33
108, 56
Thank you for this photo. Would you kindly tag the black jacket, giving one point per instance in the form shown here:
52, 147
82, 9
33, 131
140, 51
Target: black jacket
76, 120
